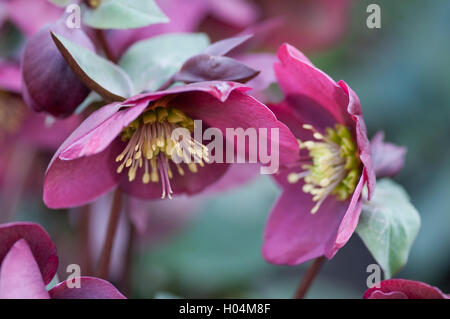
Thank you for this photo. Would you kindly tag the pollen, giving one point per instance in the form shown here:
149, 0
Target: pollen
333, 167
153, 151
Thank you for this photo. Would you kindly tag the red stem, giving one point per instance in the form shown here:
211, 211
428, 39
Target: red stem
105, 257
126, 275
309, 277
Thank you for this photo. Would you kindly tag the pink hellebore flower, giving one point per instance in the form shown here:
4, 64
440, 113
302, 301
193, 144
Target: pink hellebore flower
130, 144
321, 200
404, 289
28, 262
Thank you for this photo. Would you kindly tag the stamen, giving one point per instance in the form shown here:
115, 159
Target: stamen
333, 165
150, 147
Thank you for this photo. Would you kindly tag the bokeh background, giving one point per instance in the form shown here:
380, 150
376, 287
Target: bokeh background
401, 74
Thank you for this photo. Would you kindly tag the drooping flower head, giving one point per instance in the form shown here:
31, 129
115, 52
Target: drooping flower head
321, 200
130, 144
404, 289
28, 262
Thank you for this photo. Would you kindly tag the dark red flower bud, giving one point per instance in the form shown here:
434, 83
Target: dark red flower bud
205, 67
49, 85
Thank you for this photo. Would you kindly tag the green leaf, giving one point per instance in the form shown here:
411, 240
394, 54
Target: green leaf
150, 63
99, 74
124, 14
388, 226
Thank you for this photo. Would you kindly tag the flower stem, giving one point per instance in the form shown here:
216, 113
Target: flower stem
104, 44
105, 257
126, 275
309, 277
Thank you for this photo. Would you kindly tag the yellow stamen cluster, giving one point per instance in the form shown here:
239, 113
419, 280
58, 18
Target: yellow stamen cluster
335, 166
150, 142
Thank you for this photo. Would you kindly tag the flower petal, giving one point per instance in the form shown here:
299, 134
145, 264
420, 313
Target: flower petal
70, 183
387, 158
190, 183
293, 235
39, 242
404, 289
94, 136
20, 277
240, 111
91, 288
218, 89
297, 110
354, 109
349, 221
297, 76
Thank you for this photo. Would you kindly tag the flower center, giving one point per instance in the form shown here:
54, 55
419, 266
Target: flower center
11, 115
334, 165
151, 145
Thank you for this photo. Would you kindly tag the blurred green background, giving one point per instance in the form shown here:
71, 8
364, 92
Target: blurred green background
401, 74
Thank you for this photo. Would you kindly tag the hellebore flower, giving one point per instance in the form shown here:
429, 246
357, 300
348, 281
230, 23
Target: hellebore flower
321, 200
49, 85
404, 289
387, 158
28, 262
130, 144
